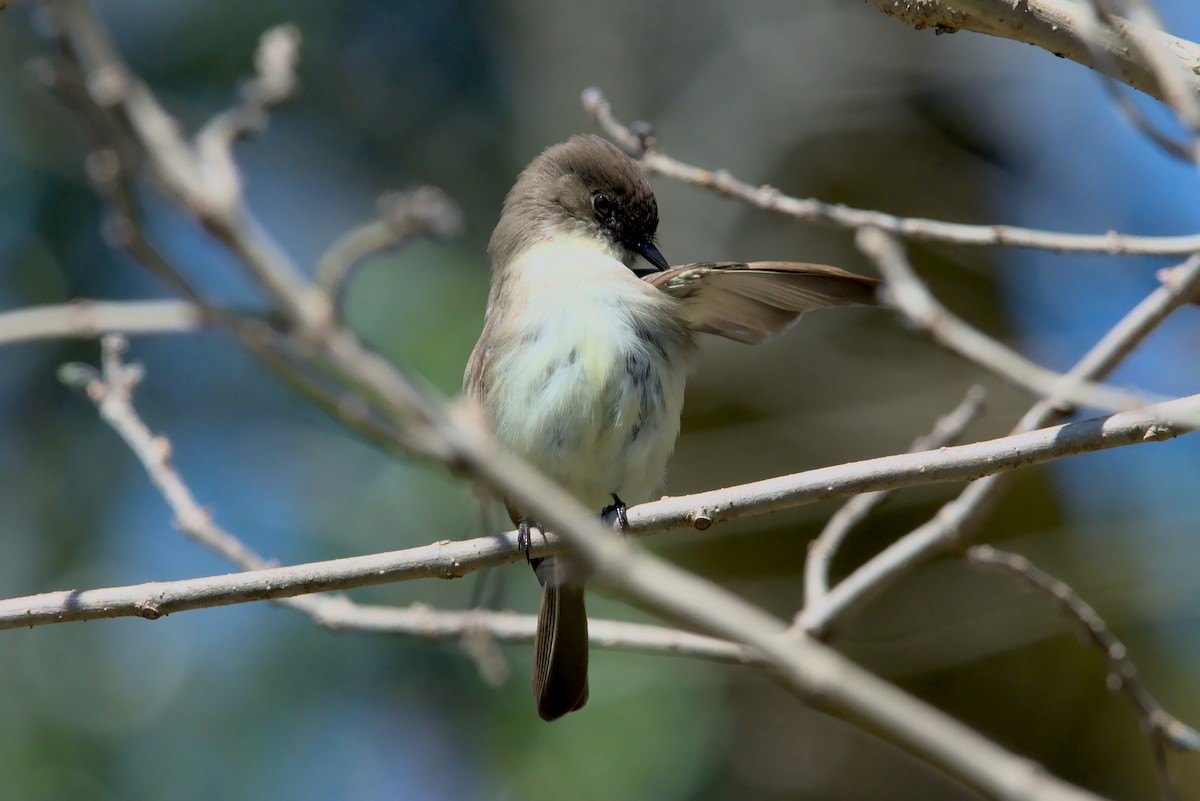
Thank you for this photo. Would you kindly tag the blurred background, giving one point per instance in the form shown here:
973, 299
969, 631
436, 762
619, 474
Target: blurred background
821, 98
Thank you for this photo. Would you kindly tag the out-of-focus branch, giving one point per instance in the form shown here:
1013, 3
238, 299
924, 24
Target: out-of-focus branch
510, 627
425, 211
196, 179
956, 521
1141, 28
768, 198
201, 176
1163, 728
116, 159
1056, 26
1095, 22
905, 292
89, 319
1124, 674
946, 431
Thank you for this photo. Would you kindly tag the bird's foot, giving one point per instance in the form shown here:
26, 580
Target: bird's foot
523, 542
615, 512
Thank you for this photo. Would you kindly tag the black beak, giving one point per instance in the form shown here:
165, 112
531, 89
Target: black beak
650, 253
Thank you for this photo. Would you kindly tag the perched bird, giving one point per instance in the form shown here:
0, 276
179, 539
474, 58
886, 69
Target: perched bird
585, 351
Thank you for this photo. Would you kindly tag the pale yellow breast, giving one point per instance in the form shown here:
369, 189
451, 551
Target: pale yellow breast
563, 397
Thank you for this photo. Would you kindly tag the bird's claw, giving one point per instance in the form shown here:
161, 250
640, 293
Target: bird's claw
618, 509
524, 542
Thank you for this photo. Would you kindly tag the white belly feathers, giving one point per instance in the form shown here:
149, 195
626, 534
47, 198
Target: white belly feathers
593, 394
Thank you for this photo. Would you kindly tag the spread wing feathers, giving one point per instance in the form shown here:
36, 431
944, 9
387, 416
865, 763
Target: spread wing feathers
752, 302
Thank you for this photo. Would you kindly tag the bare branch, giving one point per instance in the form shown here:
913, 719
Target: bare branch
961, 463
1093, 32
216, 174
1164, 729
768, 198
1055, 26
905, 292
425, 211
510, 627
821, 551
955, 522
202, 178
112, 392
1143, 28
450, 559
88, 319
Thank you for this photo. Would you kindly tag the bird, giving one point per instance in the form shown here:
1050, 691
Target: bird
588, 339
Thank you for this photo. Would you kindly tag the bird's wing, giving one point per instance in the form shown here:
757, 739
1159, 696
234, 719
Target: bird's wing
750, 302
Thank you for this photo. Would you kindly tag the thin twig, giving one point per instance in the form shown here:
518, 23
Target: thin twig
955, 522
1095, 27
117, 154
202, 177
1142, 28
422, 426
1165, 730
216, 181
768, 198
821, 551
424, 211
906, 292
510, 627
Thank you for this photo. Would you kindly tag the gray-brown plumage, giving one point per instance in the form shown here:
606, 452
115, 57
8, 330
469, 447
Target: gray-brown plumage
750, 302
581, 365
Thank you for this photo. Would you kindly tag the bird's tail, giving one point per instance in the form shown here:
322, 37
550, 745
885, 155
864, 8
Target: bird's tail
560, 655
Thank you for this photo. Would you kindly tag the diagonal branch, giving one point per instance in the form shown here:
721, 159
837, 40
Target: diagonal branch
956, 521
1163, 728
905, 292
1057, 27
947, 430
402, 215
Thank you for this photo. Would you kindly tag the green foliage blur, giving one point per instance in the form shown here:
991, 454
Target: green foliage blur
819, 98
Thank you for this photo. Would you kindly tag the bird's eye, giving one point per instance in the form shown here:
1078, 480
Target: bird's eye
603, 204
